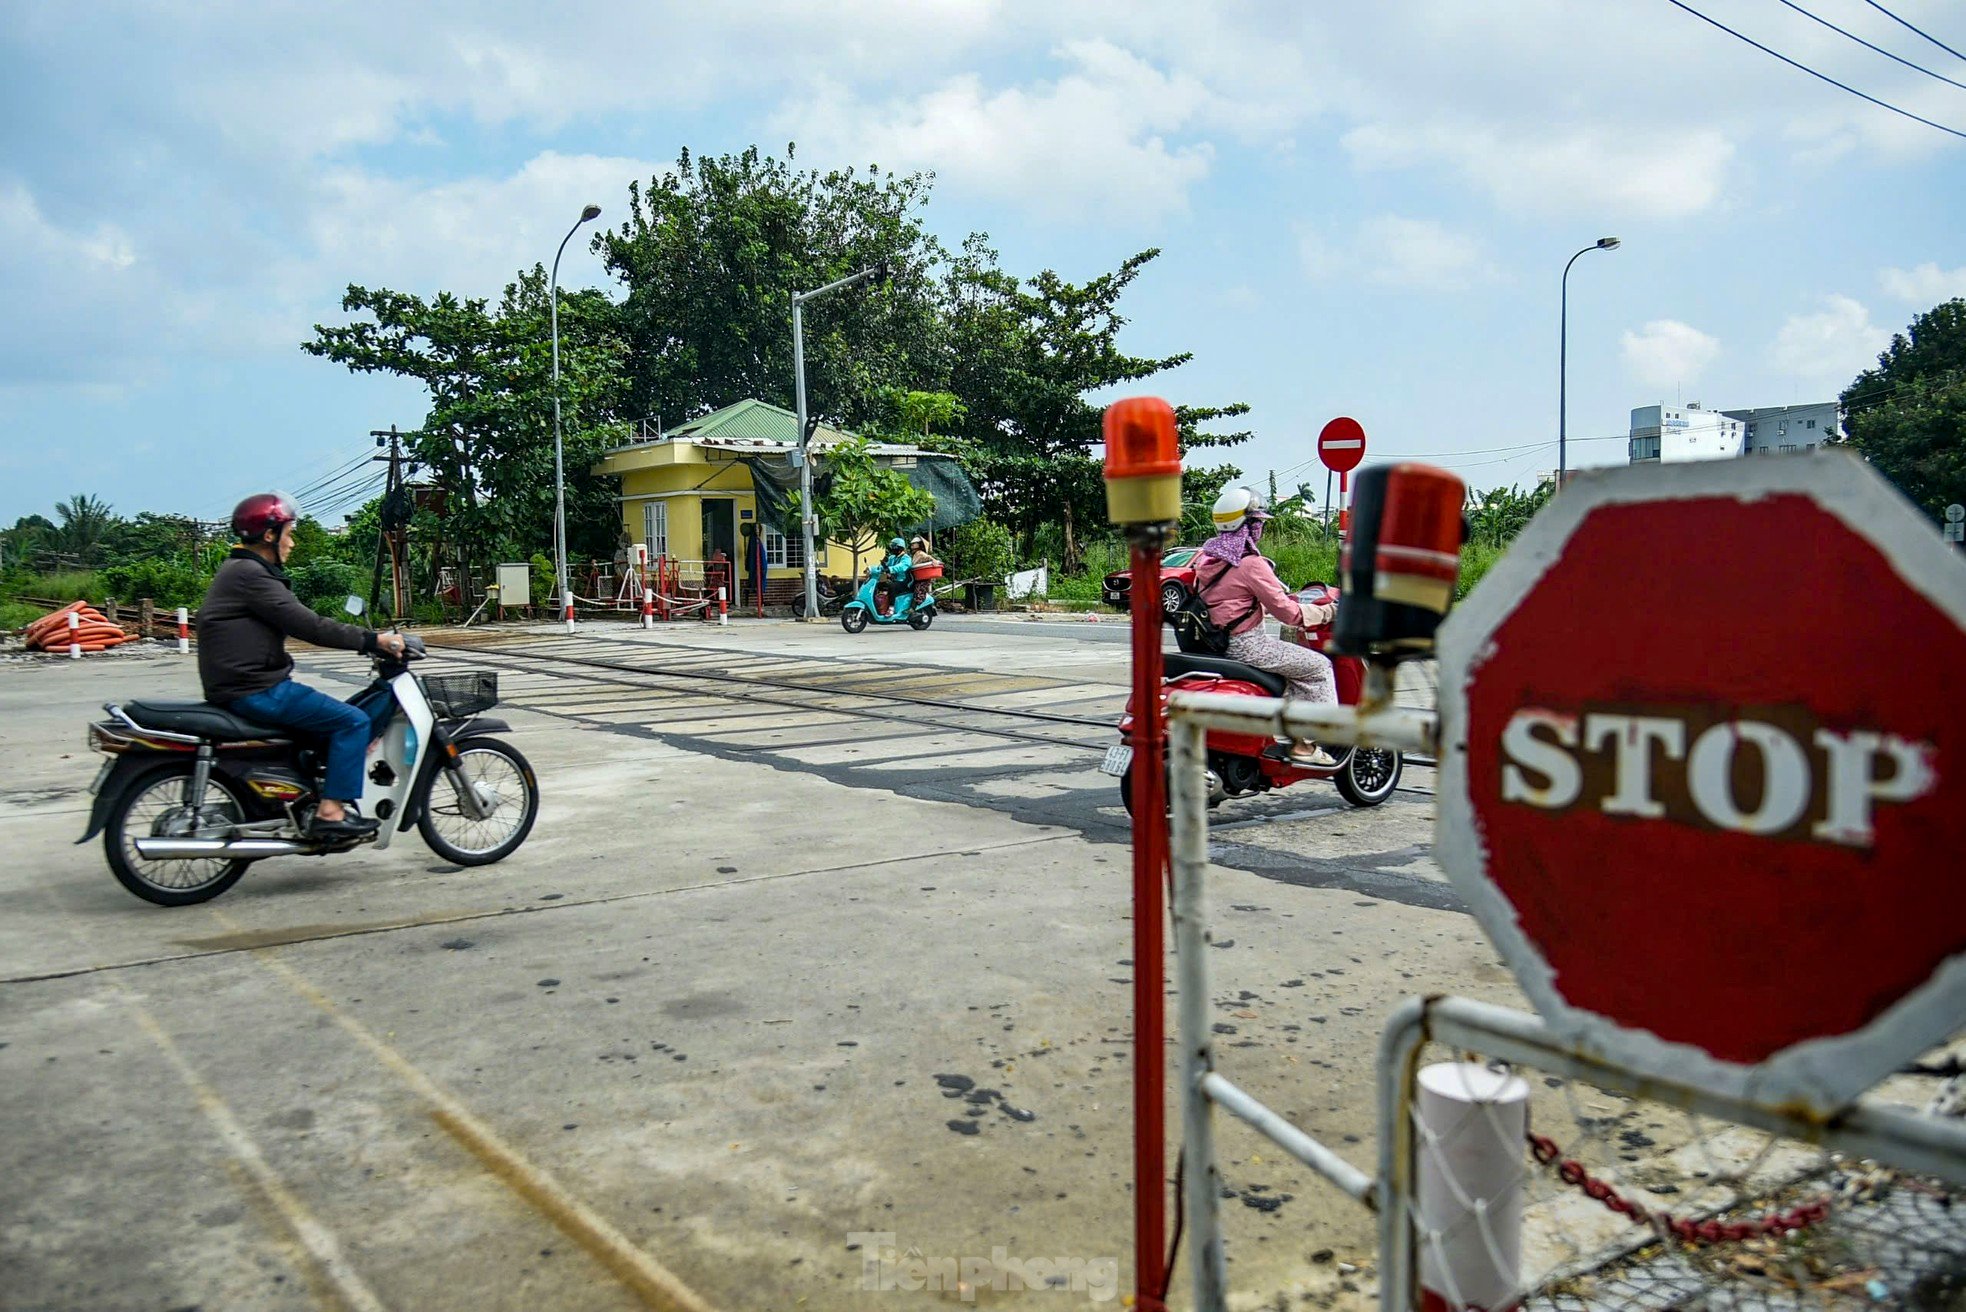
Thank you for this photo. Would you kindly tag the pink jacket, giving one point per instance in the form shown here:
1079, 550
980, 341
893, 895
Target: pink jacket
1252, 585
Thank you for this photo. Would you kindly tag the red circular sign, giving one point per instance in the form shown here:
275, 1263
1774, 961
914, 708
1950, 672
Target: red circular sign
1694, 810
1341, 445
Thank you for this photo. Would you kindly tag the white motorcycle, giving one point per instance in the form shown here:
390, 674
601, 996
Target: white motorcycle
192, 794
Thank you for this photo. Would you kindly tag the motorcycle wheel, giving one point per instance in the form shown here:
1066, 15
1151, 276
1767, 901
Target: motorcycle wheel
799, 606
921, 619
154, 805
489, 766
1369, 776
854, 620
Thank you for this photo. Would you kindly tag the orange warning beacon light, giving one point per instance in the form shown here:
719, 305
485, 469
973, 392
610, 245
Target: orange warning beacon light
1143, 462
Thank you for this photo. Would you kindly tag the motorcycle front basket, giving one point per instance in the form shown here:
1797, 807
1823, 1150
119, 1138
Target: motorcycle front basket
468, 692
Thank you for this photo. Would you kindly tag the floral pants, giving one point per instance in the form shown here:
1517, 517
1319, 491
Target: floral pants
1307, 673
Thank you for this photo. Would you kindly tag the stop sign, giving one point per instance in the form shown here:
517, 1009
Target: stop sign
1341, 445
1703, 773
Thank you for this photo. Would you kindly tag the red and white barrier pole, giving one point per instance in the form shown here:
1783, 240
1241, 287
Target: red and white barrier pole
648, 608
183, 632
1143, 493
1470, 1126
723, 608
74, 642
569, 604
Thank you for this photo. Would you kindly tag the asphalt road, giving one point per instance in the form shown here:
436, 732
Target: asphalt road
776, 992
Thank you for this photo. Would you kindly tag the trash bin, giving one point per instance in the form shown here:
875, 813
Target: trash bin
980, 596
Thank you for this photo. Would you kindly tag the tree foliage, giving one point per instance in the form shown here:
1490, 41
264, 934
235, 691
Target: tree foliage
710, 255
488, 437
865, 501
1908, 414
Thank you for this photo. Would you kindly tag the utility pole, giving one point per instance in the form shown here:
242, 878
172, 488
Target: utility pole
394, 523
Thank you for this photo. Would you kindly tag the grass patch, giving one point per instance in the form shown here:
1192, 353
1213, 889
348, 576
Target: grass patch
18, 614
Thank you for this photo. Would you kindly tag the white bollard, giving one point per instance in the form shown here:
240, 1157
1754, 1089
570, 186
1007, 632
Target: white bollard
74, 643
648, 608
569, 600
183, 632
723, 611
1469, 1140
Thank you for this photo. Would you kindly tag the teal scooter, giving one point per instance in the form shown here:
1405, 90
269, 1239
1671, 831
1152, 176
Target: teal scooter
911, 600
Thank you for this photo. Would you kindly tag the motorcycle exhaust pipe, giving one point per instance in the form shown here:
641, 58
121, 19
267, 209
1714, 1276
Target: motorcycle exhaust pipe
173, 849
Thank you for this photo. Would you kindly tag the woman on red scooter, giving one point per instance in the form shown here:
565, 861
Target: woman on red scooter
1240, 585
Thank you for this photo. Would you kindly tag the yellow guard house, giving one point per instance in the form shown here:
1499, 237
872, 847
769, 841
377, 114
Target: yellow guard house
691, 491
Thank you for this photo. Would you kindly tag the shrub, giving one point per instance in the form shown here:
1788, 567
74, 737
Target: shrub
981, 549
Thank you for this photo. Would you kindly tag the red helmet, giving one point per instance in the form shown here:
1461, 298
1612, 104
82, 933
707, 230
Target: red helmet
256, 514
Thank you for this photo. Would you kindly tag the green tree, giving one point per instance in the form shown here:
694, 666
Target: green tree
1907, 416
1026, 355
30, 535
710, 255
488, 437
85, 521
864, 501
149, 535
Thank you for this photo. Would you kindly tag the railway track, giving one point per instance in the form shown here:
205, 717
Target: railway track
708, 676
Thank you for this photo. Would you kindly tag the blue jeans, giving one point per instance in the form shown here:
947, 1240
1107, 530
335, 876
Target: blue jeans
290, 705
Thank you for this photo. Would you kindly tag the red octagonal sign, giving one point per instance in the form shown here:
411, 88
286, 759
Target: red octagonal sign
1703, 776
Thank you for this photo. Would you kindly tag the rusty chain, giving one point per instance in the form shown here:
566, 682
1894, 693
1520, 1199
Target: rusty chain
1572, 1172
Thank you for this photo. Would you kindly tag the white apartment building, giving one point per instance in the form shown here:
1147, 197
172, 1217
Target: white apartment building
1692, 432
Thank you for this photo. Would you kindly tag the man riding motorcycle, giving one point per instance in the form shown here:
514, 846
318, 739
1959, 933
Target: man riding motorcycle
248, 614
1239, 584
892, 574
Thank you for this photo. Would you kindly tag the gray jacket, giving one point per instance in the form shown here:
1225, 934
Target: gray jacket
249, 613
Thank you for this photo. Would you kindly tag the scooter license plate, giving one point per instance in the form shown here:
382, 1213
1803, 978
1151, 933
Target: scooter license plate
1118, 758
95, 785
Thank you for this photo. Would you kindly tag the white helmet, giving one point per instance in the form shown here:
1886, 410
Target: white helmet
1237, 506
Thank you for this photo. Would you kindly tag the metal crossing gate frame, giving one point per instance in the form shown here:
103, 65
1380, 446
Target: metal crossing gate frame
1887, 1134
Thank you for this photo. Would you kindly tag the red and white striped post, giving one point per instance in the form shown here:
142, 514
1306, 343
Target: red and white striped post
723, 608
569, 610
183, 632
648, 607
74, 641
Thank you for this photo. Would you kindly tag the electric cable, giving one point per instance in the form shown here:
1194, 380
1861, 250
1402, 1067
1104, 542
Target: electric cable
1921, 31
1842, 86
1818, 18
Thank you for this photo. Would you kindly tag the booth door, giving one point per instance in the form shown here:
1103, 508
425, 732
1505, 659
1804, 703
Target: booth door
720, 534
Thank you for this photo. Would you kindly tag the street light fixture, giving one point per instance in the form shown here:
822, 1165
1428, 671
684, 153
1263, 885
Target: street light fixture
808, 517
588, 214
1563, 361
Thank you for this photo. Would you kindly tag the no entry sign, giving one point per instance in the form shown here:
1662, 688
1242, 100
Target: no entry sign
1704, 772
1341, 445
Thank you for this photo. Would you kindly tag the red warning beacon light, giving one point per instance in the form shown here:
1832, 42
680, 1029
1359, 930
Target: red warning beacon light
1400, 564
1143, 462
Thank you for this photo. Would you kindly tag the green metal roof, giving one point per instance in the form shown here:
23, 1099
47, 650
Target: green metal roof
748, 420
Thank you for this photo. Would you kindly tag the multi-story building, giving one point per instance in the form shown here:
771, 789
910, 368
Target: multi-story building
1691, 432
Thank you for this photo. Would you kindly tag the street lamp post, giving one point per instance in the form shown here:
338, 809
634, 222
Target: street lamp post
808, 516
1563, 361
559, 472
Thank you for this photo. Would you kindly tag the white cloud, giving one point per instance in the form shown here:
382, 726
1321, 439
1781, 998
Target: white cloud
471, 235
1925, 286
1582, 171
1393, 250
1093, 144
1830, 347
1666, 353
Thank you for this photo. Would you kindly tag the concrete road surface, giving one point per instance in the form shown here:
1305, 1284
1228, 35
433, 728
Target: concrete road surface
746, 1023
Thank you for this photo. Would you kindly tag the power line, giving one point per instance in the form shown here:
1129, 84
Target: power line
1927, 35
1681, 4
1818, 18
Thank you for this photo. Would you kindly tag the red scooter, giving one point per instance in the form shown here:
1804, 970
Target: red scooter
1241, 764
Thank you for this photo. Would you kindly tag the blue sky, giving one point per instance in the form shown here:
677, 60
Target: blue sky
1364, 208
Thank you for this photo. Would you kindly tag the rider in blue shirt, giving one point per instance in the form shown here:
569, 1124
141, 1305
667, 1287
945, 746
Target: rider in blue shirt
892, 575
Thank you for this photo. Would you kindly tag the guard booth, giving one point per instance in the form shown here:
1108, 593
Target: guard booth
692, 491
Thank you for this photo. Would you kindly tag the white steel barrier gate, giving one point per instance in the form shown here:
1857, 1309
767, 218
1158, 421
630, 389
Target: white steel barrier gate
1886, 1134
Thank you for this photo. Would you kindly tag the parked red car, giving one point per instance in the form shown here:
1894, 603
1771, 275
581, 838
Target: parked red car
1177, 580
